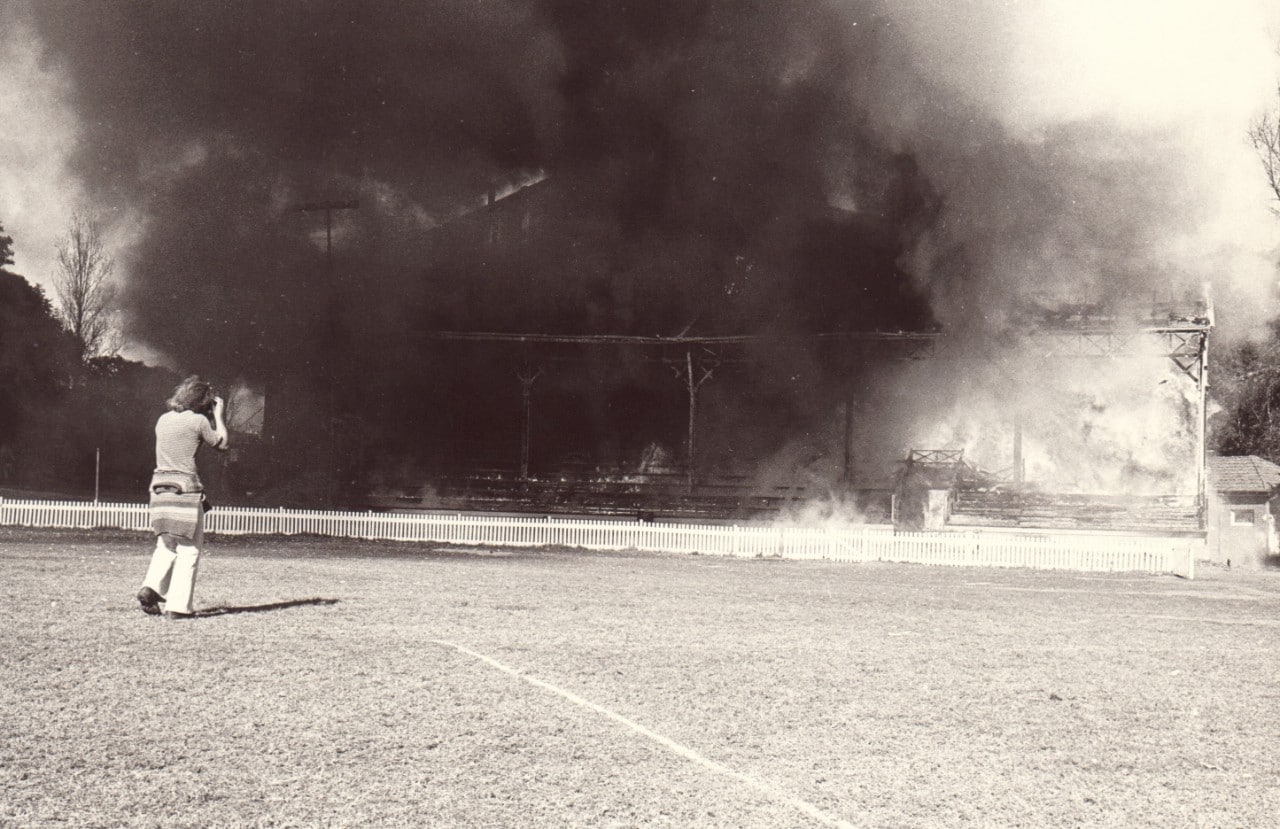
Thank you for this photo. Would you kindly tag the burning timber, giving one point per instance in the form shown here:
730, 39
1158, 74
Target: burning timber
935, 489
1149, 514
647, 497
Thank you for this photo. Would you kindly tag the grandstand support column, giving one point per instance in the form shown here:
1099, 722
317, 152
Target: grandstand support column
693, 375
1019, 466
847, 473
1202, 390
526, 375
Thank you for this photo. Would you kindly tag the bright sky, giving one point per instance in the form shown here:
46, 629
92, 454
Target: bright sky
37, 135
1144, 61
1205, 69
1202, 69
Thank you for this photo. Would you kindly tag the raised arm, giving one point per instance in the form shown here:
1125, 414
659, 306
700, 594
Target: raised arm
219, 424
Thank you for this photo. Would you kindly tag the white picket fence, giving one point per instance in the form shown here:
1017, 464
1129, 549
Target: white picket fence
1107, 552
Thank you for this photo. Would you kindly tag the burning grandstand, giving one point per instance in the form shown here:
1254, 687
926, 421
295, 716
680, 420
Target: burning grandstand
701, 259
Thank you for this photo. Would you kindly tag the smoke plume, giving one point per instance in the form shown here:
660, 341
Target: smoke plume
718, 168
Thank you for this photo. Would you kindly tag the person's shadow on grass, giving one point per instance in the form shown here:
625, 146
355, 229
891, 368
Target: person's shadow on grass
224, 610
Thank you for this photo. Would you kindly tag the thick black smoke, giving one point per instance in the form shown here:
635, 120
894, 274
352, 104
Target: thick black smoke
717, 167
704, 131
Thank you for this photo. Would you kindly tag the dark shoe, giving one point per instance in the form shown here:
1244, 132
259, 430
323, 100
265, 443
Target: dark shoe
169, 614
150, 601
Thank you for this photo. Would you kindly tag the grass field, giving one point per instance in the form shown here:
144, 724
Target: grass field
339, 683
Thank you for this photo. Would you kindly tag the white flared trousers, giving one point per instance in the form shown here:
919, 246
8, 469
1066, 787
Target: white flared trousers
173, 568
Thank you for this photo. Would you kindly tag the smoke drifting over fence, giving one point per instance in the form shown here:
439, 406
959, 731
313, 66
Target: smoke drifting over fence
742, 167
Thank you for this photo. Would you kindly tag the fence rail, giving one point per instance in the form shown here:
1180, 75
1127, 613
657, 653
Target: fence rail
1092, 552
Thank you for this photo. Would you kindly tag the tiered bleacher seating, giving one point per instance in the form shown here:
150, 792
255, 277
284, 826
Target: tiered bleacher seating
1012, 508
660, 496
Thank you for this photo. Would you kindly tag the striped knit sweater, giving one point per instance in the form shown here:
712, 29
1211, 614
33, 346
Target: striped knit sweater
176, 494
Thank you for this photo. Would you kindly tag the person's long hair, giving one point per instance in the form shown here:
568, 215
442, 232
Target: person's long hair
192, 395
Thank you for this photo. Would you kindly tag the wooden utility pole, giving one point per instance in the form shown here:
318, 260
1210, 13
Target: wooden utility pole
329, 353
328, 207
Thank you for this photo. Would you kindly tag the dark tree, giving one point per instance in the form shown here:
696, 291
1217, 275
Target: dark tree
1247, 390
37, 360
1264, 134
53, 430
1247, 376
6, 249
86, 295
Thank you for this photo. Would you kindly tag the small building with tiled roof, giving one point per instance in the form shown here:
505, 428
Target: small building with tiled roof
1244, 499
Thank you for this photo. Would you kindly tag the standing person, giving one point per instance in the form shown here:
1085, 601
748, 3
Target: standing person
194, 418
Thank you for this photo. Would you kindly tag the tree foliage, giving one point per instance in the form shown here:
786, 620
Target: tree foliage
52, 430
37, 358
34, 350
1246, 383
86, 295
6, 249
1246, 389
1264, 134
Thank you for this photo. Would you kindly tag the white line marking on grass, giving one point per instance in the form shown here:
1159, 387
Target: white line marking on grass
1207, 620
1154, 594
682, 751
